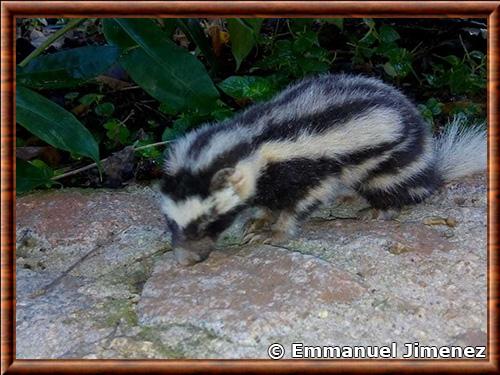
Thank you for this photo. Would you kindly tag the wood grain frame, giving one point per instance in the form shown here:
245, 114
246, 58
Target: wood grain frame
12, 9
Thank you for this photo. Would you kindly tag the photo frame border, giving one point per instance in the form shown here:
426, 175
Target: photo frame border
10, 10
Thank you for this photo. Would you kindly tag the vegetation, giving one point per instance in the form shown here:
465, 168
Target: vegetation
116, 91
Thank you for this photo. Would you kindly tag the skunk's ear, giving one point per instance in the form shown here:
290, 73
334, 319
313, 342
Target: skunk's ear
227, 177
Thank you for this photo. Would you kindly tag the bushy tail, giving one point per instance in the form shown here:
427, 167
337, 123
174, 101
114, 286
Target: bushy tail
461, 150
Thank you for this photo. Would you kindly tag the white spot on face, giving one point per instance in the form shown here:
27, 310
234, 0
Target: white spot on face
188, 210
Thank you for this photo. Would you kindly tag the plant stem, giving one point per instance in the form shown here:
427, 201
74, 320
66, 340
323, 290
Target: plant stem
51, 39
151, 145
93, 165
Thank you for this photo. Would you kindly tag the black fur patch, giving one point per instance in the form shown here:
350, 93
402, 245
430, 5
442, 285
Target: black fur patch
282, 185
185, 184
223, 222
399, 195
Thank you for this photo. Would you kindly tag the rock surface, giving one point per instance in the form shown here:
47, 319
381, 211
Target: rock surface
96, 279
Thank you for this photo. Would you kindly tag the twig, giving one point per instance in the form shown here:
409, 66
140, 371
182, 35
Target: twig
93, 165
151, 145
129, 88
51, 39
132, 112
465, 48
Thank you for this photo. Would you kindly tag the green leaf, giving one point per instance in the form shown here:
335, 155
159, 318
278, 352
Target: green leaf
168, 25
29, 176
389, 69
104, 109
221, 112
400, 62
89, 99
304, 42
312, 65
453, 60
243, 34
434, 106
193, 30
387, 34
115, 34
179, 127
248, 87
70, 96
67, 68
116, 131
164, 70
53, 124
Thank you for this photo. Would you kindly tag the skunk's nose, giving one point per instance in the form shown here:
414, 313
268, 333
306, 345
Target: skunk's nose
192, 252
188, 258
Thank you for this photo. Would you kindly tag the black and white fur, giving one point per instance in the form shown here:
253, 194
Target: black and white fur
294, 153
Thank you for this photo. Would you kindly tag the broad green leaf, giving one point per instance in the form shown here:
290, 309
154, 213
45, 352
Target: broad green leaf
116, 35
243, 34
53, 124
67, 68
193, 30
166, 71
168, 25
29, 176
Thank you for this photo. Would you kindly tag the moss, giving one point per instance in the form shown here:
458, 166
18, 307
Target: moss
120, 311
151, 334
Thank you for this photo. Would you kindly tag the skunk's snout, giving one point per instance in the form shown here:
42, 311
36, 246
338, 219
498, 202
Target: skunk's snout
188, 253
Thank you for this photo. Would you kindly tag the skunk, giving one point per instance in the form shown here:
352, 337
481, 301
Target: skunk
296, 152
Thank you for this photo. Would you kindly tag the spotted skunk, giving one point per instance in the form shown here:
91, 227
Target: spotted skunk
292, 154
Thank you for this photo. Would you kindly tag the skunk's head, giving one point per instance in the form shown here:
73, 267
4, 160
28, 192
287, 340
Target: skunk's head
198, 207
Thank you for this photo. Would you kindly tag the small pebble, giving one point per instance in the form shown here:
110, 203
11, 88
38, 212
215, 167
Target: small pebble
398, 248
437, 220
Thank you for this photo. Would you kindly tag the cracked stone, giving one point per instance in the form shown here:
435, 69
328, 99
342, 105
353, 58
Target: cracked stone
243, 295
94, 279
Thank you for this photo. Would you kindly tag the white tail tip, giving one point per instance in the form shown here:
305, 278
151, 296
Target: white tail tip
461, 149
